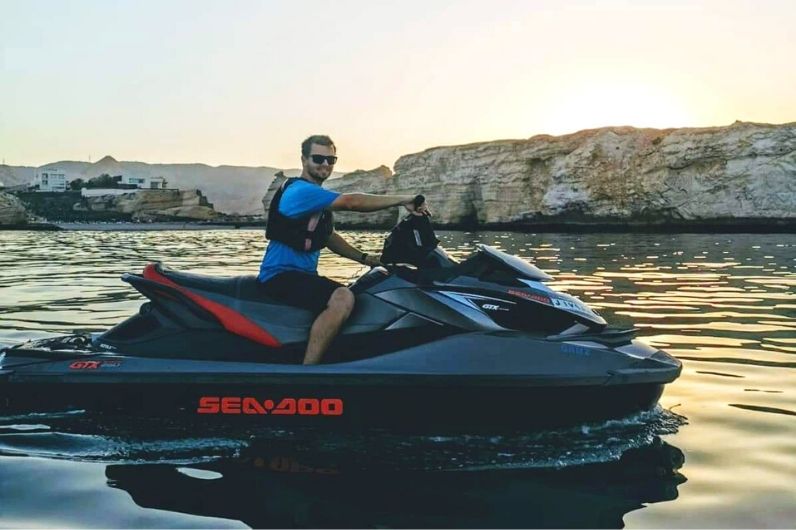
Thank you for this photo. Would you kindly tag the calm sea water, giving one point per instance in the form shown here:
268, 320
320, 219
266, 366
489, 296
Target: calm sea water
720, 452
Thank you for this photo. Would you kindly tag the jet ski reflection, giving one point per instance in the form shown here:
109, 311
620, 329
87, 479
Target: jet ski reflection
280, 485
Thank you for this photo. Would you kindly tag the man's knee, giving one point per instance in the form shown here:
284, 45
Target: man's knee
342, 300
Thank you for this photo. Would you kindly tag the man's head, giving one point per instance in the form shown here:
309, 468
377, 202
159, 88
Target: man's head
318, 156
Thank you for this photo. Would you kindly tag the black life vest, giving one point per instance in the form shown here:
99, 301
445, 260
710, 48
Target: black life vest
305, 234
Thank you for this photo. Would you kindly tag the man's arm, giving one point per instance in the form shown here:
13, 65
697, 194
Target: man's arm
365, 202
341, 247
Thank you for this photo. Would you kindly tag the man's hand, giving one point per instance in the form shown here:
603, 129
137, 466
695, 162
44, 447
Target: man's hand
373, 260
419, 206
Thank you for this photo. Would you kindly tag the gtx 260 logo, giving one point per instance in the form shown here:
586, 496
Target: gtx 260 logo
285, 407
94, 365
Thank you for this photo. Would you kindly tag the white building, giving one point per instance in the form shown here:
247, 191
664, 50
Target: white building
157, 183
149, 183
50, 179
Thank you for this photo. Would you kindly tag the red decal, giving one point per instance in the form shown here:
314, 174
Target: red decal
208, 405
332, 407
230, 405
530, 296
85, 365
252, 406
309, 407
232, 321
285, 407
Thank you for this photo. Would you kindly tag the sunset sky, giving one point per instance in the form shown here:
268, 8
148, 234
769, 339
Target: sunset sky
243, 82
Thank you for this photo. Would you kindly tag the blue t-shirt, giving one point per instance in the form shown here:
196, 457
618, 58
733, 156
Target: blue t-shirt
300, 199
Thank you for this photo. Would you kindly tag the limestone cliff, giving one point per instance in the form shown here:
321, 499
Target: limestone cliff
12, 211
149, 205
374, 181
742, 173
279, 178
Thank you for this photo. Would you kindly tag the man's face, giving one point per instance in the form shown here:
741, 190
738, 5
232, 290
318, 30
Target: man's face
318, 171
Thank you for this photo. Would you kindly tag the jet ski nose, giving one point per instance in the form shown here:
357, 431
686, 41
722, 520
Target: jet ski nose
661, 362
659, 368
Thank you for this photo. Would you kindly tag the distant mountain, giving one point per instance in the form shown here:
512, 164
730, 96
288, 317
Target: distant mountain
231, 189
15, 175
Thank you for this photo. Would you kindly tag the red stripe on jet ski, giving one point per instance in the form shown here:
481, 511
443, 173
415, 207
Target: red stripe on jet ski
232, 321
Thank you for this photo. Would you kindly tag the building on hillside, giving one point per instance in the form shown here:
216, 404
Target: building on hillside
149, 183
158, 183
49, 179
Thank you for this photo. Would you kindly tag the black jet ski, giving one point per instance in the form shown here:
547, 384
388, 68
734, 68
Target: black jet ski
431, 344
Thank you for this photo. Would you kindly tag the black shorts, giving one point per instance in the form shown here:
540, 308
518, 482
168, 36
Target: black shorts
300, 289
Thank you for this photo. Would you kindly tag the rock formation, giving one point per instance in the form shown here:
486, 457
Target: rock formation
743, 173
12, 211
374, 181
149, 205
623, 174
279, 178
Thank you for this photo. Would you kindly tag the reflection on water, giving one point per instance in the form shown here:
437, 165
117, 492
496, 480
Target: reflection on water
585, 476
724, 304
278, 485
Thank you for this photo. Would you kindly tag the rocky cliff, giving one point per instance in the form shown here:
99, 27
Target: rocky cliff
12, 210
150, 205
277, 181
741, 174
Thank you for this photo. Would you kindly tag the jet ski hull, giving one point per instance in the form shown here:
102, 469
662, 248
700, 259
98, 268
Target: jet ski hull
437, 405
452, 384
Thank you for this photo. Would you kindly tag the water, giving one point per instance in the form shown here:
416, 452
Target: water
719, 452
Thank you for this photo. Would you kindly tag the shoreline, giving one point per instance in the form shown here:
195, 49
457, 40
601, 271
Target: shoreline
747, 226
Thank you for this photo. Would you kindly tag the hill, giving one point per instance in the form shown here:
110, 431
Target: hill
231, 189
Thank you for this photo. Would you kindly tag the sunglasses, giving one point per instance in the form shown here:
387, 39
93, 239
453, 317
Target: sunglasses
318, 159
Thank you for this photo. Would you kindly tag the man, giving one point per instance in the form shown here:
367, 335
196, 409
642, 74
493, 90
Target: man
300, 223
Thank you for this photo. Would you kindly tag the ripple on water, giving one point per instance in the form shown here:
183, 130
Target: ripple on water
724, 304
80, 436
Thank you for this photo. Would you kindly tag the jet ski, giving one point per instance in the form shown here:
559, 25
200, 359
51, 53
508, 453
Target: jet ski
432, 344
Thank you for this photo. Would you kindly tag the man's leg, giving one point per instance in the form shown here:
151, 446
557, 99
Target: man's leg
328, 323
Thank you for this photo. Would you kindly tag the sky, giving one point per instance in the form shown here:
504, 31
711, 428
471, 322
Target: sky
244, 82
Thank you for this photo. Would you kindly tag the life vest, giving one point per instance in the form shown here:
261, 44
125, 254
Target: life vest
305, 234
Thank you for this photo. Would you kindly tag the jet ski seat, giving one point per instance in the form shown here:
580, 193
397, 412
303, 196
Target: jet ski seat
240, 287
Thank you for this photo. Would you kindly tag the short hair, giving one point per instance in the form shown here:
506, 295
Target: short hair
320, 139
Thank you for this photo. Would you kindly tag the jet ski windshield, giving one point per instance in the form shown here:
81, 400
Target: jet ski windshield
518, 265
413, 241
